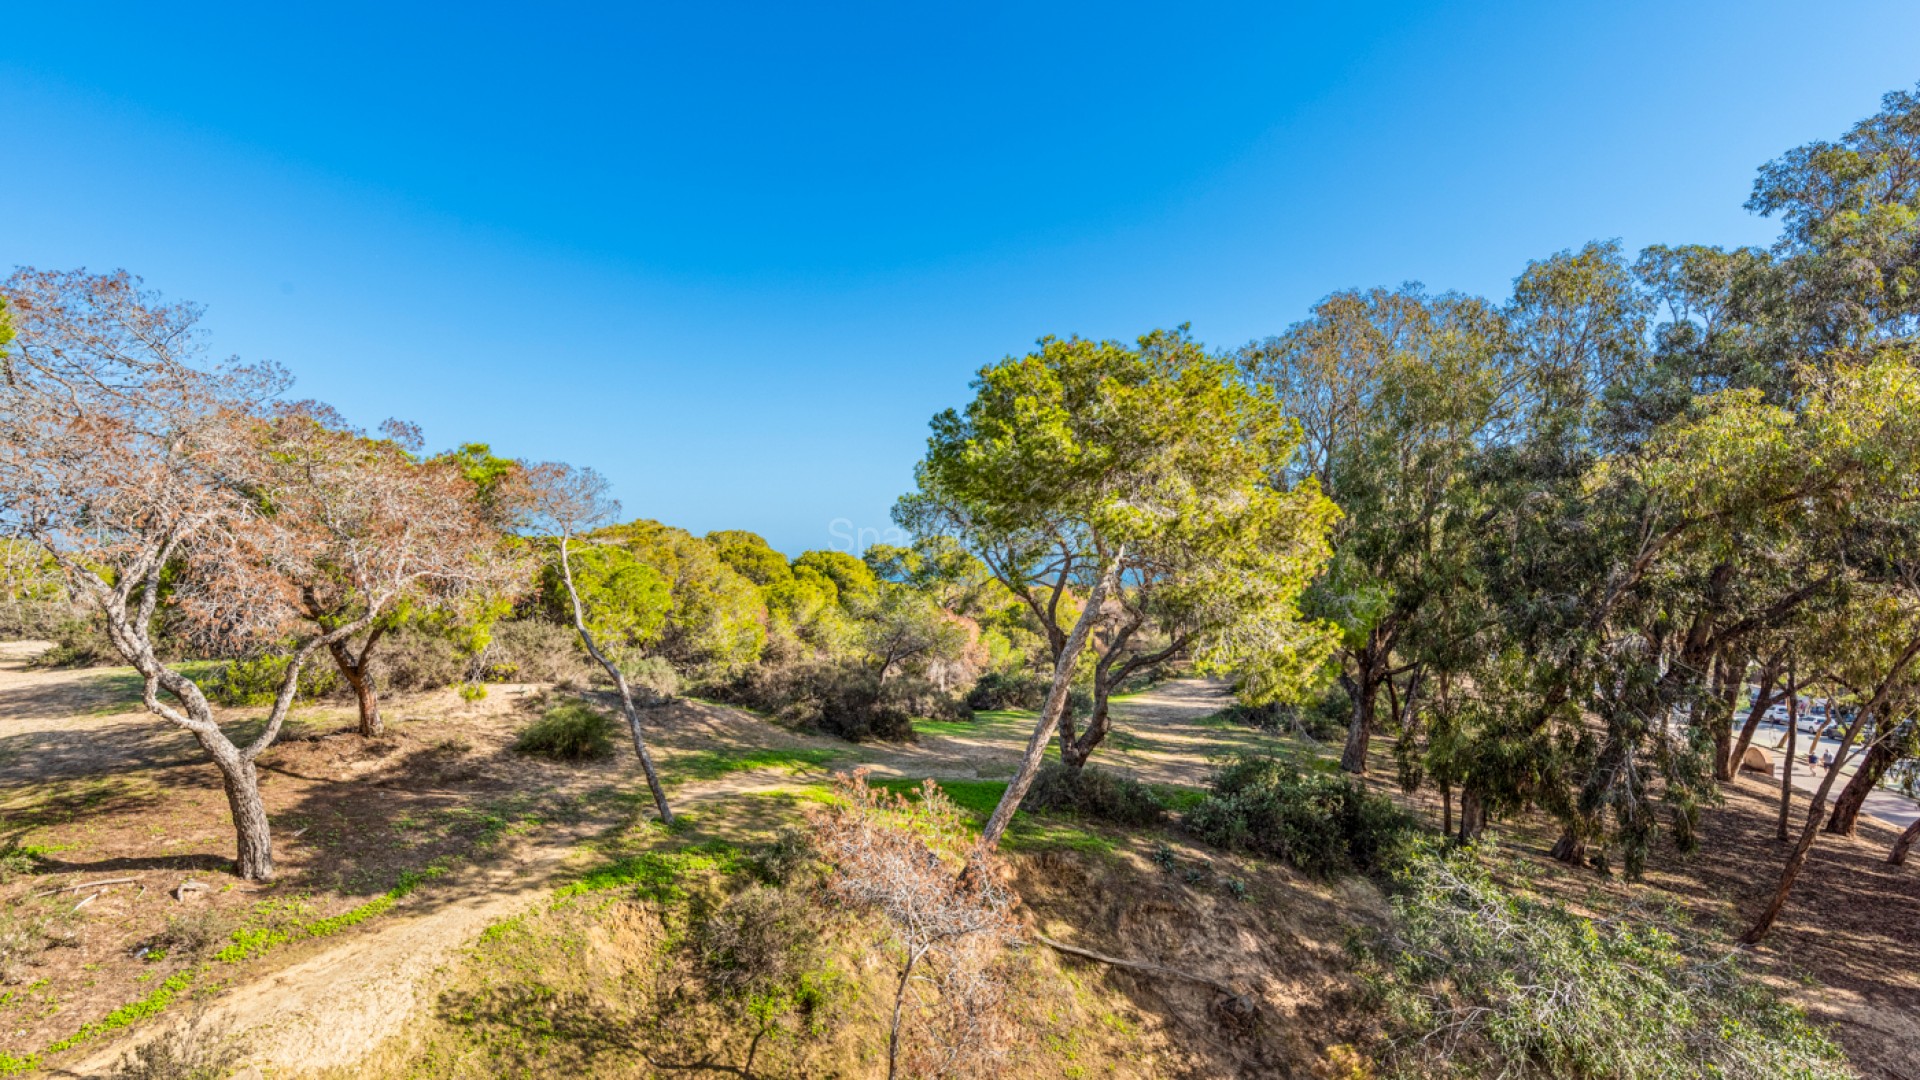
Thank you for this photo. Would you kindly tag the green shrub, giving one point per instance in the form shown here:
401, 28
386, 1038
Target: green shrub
1095, 793
1008, 690
256, 681
1475, 979
569, 731
1319, 822
80, 643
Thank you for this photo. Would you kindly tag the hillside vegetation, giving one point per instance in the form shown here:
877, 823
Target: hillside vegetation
1370, 700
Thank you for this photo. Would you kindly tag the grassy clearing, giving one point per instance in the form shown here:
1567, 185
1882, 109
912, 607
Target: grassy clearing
714, 764
996, 723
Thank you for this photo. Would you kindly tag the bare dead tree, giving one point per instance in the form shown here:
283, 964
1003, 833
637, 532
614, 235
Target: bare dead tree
149, 474
565, 504
938, 888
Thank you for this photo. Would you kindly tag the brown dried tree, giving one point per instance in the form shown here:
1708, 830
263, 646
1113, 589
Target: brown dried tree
406, 532
938, 888
565, 504
150, 474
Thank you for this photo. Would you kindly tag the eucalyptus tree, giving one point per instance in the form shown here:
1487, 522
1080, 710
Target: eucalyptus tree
1396, 392
1128, 487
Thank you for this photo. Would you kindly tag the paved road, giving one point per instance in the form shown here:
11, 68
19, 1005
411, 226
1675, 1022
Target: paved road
1891, 807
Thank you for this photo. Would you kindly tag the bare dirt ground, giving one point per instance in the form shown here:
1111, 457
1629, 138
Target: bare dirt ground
105, 791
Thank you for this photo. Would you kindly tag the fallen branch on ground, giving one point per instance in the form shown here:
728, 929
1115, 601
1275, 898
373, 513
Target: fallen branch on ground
83, 885
1135, 965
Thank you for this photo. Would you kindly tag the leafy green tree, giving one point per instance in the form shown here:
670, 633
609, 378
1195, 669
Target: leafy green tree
1850, 242
625, 602
750, 556
899, 626
1396, 392
1133, 483
716, 621
852, 579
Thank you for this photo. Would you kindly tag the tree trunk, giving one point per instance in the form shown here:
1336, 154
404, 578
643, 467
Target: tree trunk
1075, 752
1898, 855
354, 670
1786, 766
1798, 859
1846, 808
1362, 690
1730, 675
1763, 699
1446, 809
252, 835
1473, 816
620, 681
1571, 848
899, 1002
1051, 712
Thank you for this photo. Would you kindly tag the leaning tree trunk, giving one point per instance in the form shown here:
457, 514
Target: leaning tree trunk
1898, 855
1798, 858
1763, 700
1054, 708
1786, 768
620, 681
1846, 808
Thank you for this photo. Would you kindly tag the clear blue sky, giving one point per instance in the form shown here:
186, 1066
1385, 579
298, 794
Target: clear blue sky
736, 256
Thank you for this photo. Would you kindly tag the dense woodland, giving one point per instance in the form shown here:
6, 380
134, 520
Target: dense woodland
1558, 551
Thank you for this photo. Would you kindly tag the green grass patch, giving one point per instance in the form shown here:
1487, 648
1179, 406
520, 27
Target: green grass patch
713, 764
1027, 832
975, 796
658, 875
123, 688
989, 723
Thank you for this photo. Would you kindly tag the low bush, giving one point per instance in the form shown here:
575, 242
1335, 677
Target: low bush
188, 1053
787, 858
80, 643
760, 941
998, 690
1095, 793
1321, 823
256, 681
192, 933
534, 651
412, 659
569, 731
837, 699
1477, 979
651, 678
